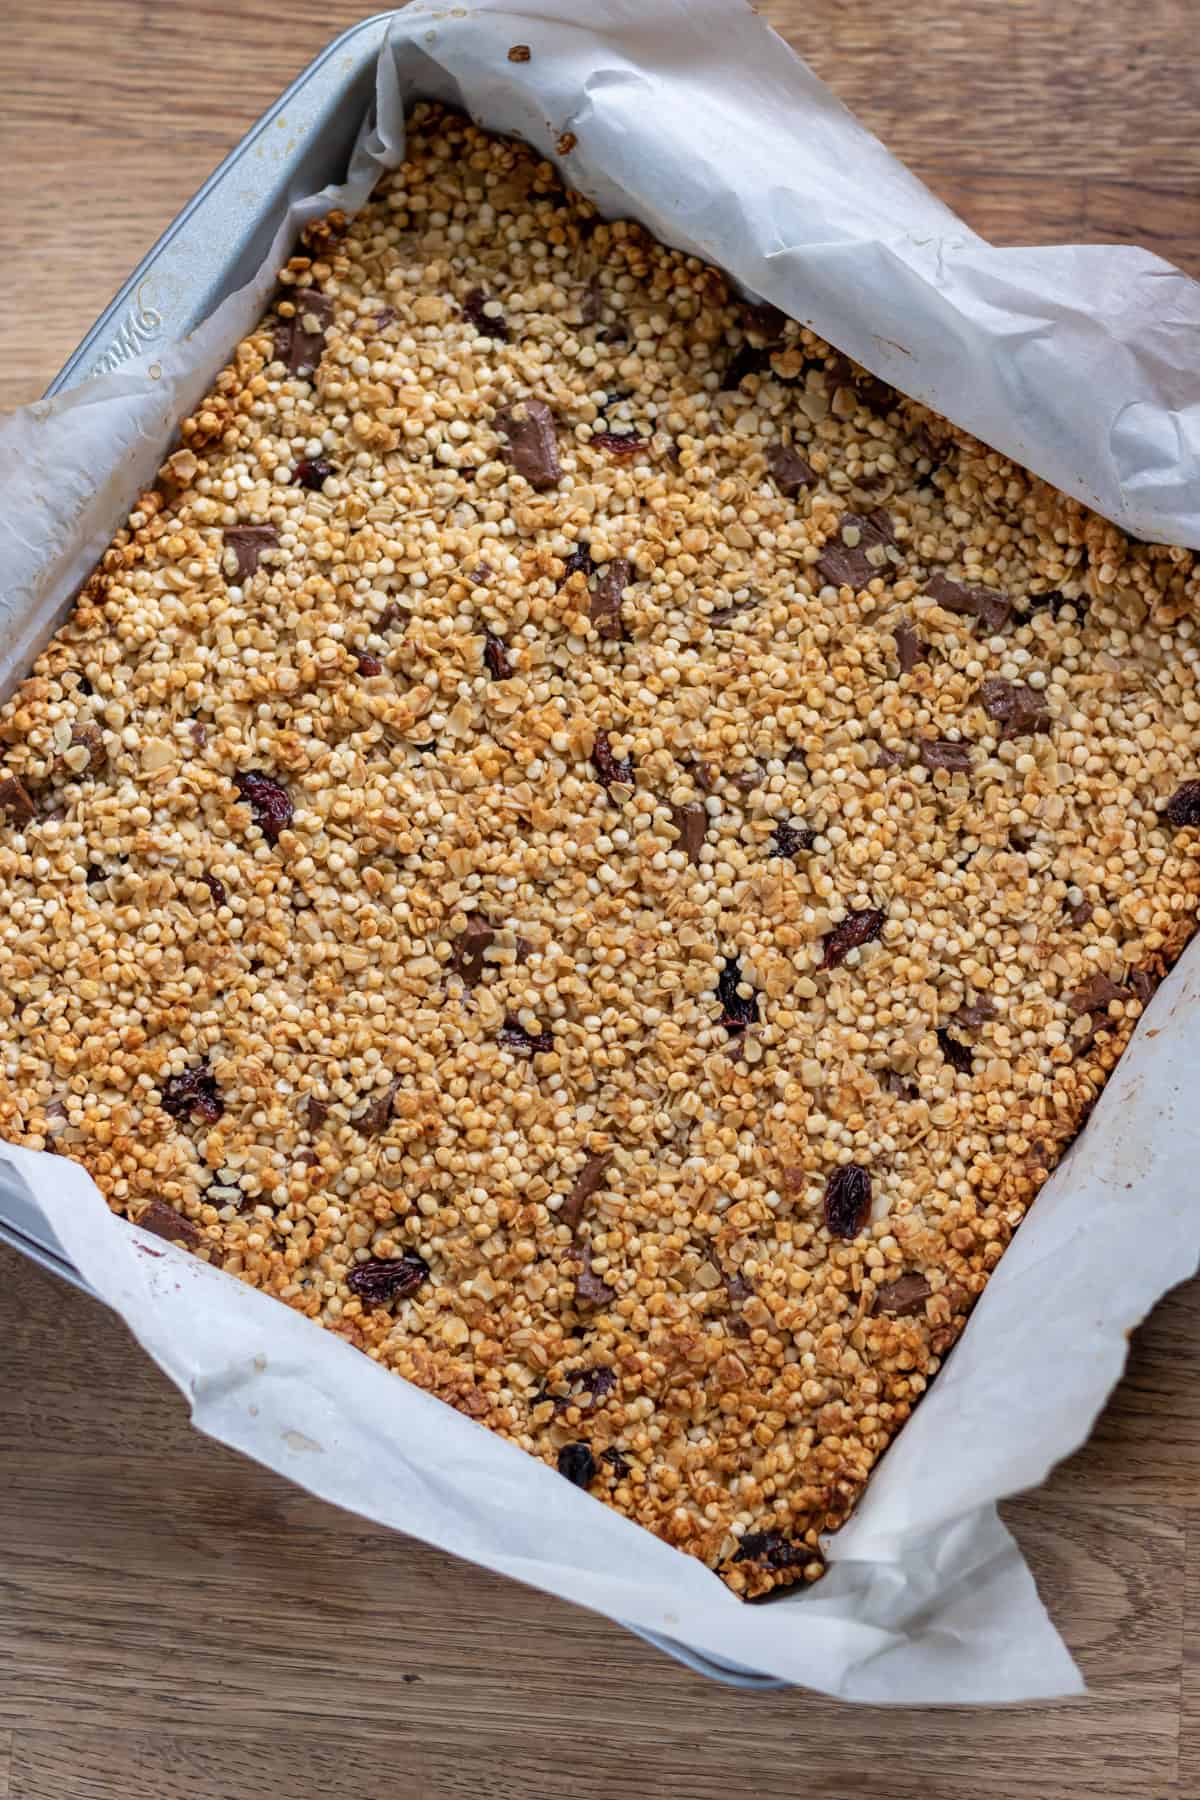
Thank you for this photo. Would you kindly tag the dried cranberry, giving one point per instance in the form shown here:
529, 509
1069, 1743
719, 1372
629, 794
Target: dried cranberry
957, 1054
515, 1037
495, 655
270, 804
485, 325
848, 1200
384, 1278
772, 1550
1183, 808
577, 1463
216, 889
739, 1010
312, 472
791, 840
856, 929
193, 1092
609, 767
367, 664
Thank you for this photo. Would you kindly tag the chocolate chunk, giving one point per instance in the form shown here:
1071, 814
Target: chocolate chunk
1094, 996
315, 1113
588, 1182
269, 802
901, 1298
384, 1278
376, 1115
469, 946
848, 1200
764, 320
199, 734
1016, 708
771, 1550
604, 608
295, 344
577, 1463
848, 565
944, 753
740, 1010
91, 737
312, 472
738, 1288
791, 840
910, 650
216, 888
856, 929
591, 307
610, 768
495, 657
725, 615
619, 443
691, 822
888, 758
379, 321
165, 1222
524, 950
985, 604
1055, 602
975, 1013
1080, 913
1181, 810
472, 311
248, 543
788, 469
194, 1093
1142, 983
957, 1054
618, 1463
589, 1289
532, 448
15, 800
892, 1082
515, 1037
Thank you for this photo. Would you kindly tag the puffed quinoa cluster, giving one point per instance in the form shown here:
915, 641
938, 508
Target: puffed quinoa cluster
594, 850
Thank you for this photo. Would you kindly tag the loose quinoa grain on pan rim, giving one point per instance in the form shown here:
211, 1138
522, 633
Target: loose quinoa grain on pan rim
593, 849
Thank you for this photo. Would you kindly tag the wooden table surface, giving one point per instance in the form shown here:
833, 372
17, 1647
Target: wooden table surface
180, 1625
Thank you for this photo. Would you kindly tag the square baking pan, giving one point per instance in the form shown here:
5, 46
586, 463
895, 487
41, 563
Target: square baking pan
213, 247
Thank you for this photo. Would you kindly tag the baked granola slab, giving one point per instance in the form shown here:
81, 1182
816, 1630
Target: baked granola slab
591, 848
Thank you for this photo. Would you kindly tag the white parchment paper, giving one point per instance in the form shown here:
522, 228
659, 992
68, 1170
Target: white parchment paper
1081, 363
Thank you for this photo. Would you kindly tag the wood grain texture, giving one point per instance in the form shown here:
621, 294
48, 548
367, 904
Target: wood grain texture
177, 1624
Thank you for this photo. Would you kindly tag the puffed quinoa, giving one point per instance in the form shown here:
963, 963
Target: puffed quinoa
594, 850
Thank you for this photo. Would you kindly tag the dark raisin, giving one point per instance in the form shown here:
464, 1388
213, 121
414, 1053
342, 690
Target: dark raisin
1080, 912
901, 1298
746, 361
848, 1200
1183, 808
772, 1550
473, 312
579, 563
589, 1179
597, 1384
495, 657
740, 1010
384, 1278
618, 1463
577, 1463
1056, 602
195, 1092
764, 320
216, 889
791, 840
957, 1054
515, 1037
367, 664
84, 686
94, 874
856, 929
610, 768
312, 472
269, 802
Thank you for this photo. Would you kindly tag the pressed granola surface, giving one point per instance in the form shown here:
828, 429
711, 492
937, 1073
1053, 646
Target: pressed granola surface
594, 850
